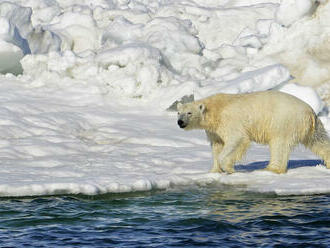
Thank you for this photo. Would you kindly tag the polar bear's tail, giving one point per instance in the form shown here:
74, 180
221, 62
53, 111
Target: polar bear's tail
319, 142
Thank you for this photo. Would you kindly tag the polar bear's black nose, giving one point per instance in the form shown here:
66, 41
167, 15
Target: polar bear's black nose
181, 123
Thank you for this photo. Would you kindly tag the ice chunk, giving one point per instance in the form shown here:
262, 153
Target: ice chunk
77, 30
292, 10
304, 93
14, 26
10, 56
43, 41
258, 80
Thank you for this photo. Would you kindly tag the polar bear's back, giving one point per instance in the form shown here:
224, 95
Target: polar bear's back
262, 114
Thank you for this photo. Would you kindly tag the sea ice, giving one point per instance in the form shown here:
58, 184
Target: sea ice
84, 86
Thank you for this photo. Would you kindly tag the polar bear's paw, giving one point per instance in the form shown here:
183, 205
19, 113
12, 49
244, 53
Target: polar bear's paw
275, 169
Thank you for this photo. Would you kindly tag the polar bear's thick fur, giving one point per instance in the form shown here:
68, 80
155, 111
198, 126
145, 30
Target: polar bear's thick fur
232, 121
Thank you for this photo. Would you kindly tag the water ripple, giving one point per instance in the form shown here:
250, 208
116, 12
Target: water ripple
200, 217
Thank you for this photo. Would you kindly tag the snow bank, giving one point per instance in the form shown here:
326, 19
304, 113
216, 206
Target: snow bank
303, 46
78, 38
71, 40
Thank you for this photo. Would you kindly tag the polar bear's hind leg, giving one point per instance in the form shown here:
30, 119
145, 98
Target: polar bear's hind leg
280, 151
319, 143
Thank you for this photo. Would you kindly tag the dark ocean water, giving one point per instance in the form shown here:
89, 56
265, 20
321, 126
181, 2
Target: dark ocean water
214, 216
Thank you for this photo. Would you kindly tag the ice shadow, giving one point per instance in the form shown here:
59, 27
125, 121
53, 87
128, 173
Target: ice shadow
291, 165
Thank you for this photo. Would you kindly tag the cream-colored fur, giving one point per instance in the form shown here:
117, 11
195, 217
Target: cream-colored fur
232, 121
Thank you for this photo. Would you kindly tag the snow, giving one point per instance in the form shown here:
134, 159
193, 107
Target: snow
85, 85
291, 11
303, 47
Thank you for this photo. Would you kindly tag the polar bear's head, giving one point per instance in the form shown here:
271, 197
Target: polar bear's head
190, 115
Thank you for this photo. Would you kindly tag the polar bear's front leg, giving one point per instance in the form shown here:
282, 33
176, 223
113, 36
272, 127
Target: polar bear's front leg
233, 151
227, 157
216, 149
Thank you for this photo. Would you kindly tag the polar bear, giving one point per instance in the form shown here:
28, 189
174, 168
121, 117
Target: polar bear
232, 121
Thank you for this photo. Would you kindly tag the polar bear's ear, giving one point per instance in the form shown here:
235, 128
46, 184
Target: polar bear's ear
201, 108
179, 105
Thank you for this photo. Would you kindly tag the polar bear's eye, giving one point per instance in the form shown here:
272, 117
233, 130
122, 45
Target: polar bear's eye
189, 113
